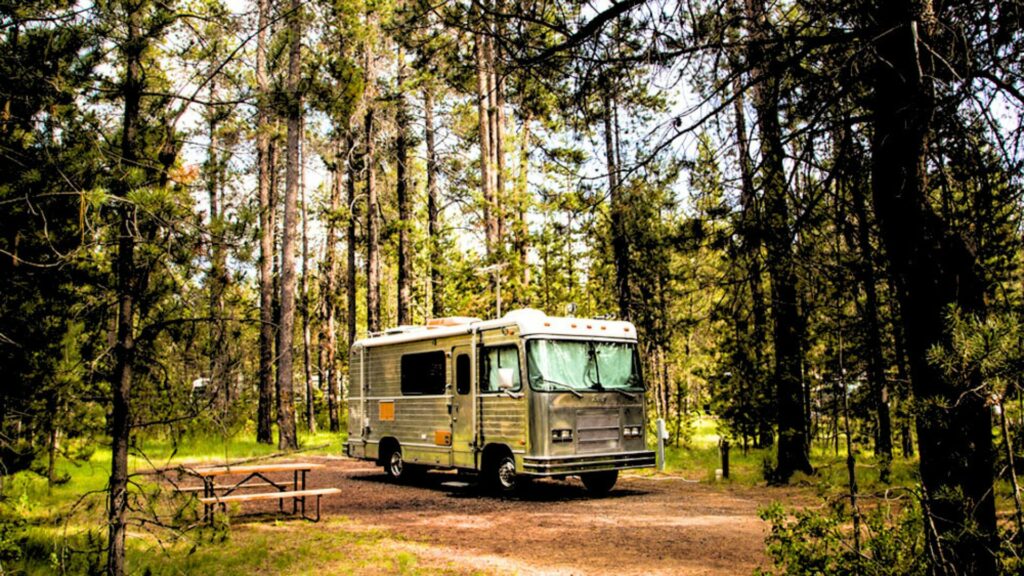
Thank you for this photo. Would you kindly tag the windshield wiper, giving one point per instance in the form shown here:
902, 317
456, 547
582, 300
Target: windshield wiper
561, 385
629, 395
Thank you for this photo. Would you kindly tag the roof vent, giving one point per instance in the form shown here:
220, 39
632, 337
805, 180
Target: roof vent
524, 314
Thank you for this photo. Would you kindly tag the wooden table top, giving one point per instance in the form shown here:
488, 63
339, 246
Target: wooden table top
254, 468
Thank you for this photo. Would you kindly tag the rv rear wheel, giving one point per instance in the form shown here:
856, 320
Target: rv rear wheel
600, 483
394, 466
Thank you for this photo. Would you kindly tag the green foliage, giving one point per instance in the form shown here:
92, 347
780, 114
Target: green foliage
989, 350
819, 542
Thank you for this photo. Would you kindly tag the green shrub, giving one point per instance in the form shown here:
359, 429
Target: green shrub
812, 542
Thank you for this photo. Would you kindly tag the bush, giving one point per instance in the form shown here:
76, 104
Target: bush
810, 542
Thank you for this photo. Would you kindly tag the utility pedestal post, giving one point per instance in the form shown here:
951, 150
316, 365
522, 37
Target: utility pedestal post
723, 447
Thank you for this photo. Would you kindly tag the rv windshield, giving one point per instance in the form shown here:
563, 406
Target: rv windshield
573, 365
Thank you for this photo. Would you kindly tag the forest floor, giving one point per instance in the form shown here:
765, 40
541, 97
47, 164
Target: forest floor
649, 524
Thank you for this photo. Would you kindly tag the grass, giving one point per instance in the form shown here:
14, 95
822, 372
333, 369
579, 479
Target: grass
213, 450
701, 457
61, 528
333, 546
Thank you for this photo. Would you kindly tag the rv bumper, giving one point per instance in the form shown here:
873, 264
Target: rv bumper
560, 465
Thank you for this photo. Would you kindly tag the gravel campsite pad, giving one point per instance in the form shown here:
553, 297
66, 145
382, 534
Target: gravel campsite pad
646, 525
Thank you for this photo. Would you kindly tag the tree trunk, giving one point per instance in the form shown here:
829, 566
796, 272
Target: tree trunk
934, 269
617, 205
483, 110
875, 356
264, 415
372, 234
286, 438
787, 324
328, 328
124, 351
498, 139
304, 289
433, 211
53, 405
217, 279
350, 239
523, 203
750, 228
404, 200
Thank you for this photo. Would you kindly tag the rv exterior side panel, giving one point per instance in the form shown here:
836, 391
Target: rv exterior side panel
355, 446
504, 422
419, 423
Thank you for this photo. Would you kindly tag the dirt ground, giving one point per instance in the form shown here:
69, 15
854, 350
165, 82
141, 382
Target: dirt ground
646, 525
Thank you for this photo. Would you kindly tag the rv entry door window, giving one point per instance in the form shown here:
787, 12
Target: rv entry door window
493, 361
462, 374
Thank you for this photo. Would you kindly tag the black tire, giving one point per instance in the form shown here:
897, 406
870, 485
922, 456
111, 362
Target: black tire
394, 464
600, 483
500, 476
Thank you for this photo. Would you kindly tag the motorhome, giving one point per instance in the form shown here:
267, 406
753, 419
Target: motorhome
526, 395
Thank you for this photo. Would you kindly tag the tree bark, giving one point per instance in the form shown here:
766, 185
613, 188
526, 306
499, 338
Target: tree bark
934, 269
372, 224
523, 203
304, 287
617, 208
286, 438
875, 355
124, 351
264, 413
483, 110
217, 279
328, 330
787, 324
433, 211
497, 101
750, 227
404, 200
350, 239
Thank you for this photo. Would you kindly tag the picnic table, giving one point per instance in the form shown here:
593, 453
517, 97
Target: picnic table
220, 484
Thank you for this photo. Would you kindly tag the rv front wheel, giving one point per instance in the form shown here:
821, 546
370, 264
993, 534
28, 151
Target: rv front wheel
600, 483
394, 466
501, 477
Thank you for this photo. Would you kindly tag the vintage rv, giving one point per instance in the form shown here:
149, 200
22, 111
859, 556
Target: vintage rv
523, 396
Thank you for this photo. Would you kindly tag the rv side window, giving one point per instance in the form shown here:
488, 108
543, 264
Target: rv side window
423, 373
495, 360
462, 374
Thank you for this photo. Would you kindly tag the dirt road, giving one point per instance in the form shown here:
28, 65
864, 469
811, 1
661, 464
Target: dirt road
647, 525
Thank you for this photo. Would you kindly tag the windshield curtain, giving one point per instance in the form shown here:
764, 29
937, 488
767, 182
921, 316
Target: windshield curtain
581, 365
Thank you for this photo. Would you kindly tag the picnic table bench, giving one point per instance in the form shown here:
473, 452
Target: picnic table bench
258, 476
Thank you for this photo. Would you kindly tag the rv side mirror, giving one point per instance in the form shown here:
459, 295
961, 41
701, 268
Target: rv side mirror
505, 378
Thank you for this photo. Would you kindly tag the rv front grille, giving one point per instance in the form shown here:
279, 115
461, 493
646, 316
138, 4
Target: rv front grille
597, 432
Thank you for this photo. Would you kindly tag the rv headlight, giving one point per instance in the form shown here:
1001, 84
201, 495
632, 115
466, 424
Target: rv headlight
631, 431
561, 435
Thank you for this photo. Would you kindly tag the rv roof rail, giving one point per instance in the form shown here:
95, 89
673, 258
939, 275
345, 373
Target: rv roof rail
451, 321
404, 329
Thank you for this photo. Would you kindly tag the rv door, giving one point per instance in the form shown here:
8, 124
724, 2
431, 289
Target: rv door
463, 449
